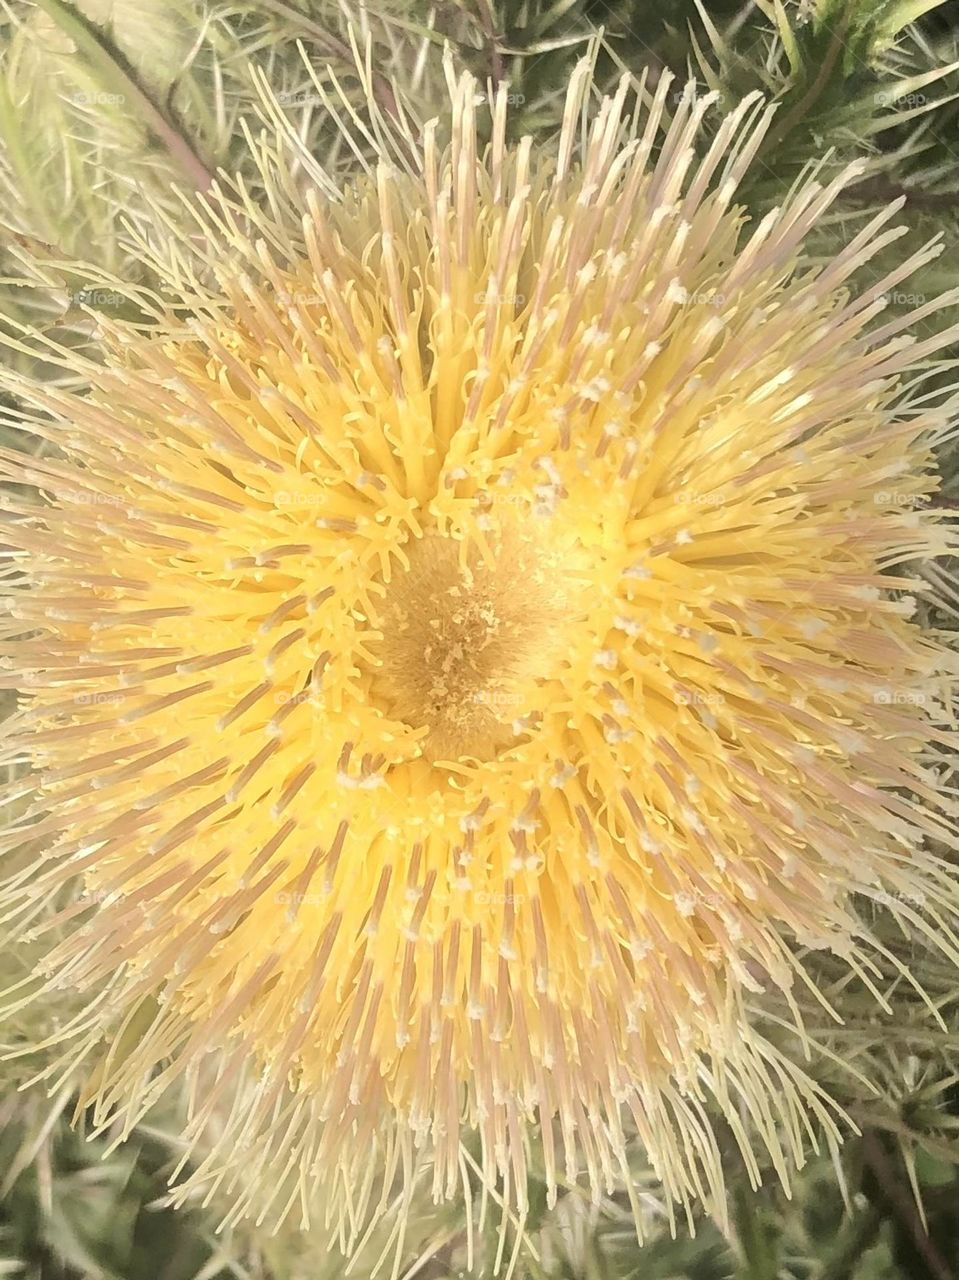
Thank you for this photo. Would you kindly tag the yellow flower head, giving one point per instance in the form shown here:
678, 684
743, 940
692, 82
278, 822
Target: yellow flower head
470, 644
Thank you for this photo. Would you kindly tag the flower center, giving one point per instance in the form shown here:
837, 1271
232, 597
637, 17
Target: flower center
465, 639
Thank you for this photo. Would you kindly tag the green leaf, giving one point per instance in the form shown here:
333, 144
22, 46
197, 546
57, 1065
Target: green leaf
119, 84
899, 16
757, 1235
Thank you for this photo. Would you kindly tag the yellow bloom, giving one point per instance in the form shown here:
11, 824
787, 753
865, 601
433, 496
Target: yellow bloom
470, 641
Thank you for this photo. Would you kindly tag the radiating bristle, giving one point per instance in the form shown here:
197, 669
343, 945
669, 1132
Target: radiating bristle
483, 614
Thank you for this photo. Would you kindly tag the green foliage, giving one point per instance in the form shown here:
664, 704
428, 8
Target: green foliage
72, 1209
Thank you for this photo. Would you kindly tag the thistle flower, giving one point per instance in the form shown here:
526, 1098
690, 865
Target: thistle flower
470, 644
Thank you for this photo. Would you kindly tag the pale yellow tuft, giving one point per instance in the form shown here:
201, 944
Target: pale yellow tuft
470, 643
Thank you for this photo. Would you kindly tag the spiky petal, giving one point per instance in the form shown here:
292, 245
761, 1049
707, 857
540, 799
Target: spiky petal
470, 642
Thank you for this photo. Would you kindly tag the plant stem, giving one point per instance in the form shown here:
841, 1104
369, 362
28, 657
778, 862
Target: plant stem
107, 64
859, 1234
489, 31
901, 1203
